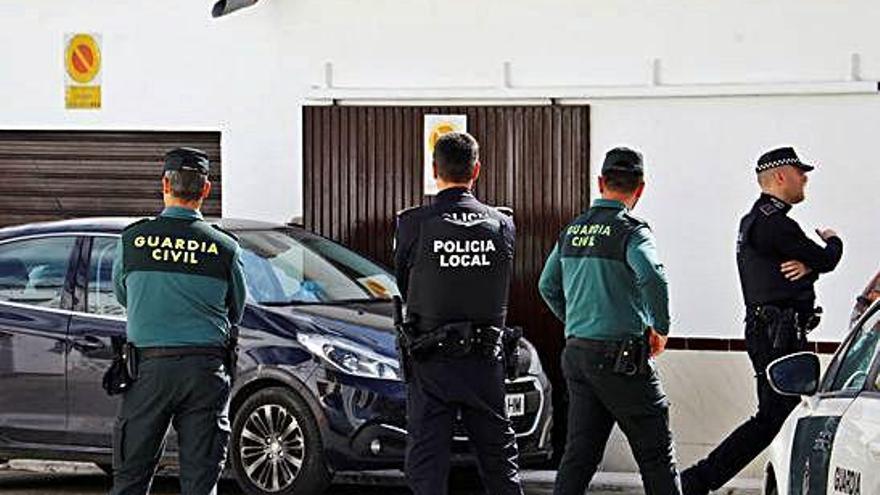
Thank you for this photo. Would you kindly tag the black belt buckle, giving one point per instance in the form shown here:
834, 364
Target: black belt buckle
459, 341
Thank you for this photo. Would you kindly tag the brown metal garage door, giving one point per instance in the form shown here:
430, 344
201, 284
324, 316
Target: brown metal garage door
49, 175
361, 164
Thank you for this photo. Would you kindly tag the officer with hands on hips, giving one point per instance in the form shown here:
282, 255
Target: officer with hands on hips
453, 263
604, 281
182, 283
778, 266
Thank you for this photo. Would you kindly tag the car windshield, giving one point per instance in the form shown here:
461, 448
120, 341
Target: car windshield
286, 266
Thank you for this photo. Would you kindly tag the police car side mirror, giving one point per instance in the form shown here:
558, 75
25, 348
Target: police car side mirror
796, 374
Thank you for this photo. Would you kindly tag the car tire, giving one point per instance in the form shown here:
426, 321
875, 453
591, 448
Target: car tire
276, 446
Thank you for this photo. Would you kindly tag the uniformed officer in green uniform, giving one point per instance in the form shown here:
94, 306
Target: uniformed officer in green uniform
604, 281
182, 283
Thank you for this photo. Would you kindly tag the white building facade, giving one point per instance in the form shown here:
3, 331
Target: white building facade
701, 88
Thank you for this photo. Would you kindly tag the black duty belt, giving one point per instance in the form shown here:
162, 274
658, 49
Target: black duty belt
456, 339
594, 344
625, 357
162, 352
805, 319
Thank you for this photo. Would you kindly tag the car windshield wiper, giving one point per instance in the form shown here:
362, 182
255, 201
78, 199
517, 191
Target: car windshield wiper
338, 302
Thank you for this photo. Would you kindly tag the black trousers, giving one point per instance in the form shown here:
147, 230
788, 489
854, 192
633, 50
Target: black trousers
597, 399
192, 394
438, 390
746, 442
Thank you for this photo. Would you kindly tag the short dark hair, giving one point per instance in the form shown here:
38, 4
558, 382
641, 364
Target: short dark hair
456, 155
186, 184
620, 181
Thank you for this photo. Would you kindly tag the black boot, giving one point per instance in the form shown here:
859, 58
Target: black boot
691, 484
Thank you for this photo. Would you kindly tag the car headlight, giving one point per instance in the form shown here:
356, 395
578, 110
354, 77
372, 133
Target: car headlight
350, 357
530, 362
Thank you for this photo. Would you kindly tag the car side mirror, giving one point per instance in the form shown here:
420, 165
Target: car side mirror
795, 374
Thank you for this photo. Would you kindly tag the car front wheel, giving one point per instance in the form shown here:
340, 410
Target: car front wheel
276, 446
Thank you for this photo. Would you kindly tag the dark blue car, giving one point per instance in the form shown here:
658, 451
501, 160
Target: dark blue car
318, 387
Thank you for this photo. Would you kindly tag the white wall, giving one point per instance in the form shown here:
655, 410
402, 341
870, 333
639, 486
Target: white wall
700, 152
700, 157
168, 65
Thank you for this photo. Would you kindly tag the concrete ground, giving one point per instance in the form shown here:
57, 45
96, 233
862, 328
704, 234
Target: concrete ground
57, 478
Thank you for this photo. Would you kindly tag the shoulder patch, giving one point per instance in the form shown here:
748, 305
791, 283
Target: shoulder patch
221, 229
142, 220
768, 209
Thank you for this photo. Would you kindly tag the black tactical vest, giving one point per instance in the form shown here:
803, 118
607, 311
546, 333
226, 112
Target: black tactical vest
166, 244
462, 266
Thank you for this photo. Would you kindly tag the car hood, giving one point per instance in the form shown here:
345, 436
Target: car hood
369, 323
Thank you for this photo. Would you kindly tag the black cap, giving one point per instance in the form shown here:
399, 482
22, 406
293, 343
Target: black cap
781, 157
187, 159
623, 160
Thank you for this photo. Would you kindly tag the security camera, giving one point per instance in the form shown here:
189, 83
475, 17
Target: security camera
223, 7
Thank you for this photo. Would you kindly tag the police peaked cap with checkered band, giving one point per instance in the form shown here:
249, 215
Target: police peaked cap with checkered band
191, 159
781, 157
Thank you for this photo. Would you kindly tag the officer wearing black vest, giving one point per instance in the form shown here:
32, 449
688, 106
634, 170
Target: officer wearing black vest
182, 283
453, 261
604, 281
778, 265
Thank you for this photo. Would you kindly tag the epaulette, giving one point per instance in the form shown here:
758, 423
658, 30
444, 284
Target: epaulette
142, 220
771, 207
768, 209
221, 229
505, 210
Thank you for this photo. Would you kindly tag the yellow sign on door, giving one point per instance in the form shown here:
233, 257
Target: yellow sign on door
434, 127
82, 63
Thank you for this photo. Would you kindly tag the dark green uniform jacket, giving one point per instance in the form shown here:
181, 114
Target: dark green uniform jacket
603, 278
181, 280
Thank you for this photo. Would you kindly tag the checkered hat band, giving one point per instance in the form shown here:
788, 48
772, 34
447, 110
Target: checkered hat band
777, 163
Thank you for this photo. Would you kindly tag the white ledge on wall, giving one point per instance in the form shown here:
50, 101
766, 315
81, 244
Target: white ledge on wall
507, 93
575, 95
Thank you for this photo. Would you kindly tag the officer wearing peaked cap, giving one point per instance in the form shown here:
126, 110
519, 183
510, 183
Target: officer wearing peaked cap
604, 281
453, 261
778, 267
182, 283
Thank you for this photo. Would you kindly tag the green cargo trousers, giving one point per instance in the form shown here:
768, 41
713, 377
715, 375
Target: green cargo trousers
189, 392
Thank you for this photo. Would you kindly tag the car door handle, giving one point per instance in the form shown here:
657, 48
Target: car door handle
89, 343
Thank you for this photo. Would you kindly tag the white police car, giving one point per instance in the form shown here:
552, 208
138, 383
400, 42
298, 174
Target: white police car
830, 444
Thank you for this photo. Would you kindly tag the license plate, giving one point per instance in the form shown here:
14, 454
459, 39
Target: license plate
516, 405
